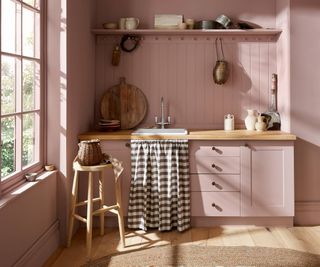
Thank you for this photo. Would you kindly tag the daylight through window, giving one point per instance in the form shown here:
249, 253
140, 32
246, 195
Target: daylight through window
20, 87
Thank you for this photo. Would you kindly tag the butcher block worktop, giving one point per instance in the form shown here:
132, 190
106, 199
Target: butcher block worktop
193, 135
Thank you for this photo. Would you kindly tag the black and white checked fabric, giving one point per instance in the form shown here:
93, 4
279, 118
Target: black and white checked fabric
160, 185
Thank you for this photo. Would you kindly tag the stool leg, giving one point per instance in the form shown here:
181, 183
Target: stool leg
120, 212
73, 206
101, 196
89, 214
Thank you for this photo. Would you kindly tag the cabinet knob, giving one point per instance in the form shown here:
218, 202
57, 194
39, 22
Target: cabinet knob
213, 165
213, 148
213, 183
127, 145
213, 205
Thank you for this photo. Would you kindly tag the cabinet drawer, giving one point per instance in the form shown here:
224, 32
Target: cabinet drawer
215, 183
205, 164
215, 204
210, 149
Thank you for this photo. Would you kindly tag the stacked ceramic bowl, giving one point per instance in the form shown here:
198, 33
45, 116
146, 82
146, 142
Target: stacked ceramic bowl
109, 125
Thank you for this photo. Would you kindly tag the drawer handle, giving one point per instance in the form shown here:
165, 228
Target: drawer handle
213, 183
213, 165
128, 145
213, 148
214, 205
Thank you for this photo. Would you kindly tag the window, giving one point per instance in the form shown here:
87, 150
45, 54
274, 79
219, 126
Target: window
21, 89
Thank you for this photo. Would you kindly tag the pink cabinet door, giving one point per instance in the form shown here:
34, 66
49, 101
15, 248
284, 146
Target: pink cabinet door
267, 179
119, 150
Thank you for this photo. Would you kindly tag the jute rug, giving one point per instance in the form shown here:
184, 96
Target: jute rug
209, 256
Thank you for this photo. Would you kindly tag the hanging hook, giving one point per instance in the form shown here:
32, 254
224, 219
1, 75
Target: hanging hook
221, 48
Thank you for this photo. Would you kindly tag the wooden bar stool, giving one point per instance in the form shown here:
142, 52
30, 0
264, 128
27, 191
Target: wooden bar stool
117, 208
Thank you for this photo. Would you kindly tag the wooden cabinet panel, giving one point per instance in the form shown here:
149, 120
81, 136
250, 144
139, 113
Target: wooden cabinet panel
214, 183
207, 164
267, 181
215, 204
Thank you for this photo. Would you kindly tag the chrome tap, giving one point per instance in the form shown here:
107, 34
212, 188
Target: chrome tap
162, 123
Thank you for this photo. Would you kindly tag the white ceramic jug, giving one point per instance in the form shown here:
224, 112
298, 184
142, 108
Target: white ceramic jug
250, 120
131, 23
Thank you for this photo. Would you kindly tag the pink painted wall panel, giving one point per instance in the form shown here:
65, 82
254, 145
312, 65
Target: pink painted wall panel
283, 63
80, 88
70, 87
180, 69
305, 102
25, 218
260, 12
305, 113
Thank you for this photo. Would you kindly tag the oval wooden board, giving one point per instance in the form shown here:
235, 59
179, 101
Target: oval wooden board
124, 102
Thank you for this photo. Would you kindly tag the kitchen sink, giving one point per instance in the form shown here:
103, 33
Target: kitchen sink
156, 131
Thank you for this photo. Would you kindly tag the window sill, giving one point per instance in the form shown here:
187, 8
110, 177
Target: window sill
26, 186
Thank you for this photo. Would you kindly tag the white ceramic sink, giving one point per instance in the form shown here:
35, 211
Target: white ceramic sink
156, 131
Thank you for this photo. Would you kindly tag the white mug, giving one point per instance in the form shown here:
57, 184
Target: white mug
131, 23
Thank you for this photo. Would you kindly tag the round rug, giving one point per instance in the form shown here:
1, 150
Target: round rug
209, 256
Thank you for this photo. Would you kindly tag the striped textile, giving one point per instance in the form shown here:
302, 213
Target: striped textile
160, 188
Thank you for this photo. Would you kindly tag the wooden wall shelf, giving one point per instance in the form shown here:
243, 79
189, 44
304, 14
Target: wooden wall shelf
254, 32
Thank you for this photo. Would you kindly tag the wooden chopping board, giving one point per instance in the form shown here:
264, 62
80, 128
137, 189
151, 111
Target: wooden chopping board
124, 102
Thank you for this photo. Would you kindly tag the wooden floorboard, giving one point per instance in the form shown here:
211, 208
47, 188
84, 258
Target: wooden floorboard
298, 238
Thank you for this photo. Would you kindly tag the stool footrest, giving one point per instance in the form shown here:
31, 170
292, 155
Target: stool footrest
105, 208
82, 203
78, 217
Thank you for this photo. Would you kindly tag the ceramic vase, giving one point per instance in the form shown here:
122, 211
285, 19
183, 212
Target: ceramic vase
250, 120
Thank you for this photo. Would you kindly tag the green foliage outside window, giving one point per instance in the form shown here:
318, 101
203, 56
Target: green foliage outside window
8, 123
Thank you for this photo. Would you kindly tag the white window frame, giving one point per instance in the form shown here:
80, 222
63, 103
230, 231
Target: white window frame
17, 177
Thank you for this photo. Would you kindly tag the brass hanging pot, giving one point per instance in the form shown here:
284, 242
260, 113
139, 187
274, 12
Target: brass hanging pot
221, 69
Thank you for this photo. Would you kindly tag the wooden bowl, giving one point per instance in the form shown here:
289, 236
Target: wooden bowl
31, 177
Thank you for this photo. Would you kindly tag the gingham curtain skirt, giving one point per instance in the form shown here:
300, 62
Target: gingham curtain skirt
160, 185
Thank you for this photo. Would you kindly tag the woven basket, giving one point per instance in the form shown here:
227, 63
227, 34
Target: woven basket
90, 152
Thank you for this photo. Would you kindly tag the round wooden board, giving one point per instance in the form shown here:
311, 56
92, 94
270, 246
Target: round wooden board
124, 102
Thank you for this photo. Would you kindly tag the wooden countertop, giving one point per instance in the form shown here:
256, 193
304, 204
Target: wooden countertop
194, 135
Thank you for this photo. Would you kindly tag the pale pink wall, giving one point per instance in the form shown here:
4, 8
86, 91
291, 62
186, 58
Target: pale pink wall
25, 218
70, 89
305, 100
81, 82
260, 12
181, 70
283, 61
57, 100
305, 59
